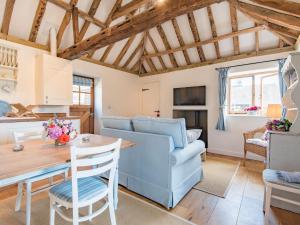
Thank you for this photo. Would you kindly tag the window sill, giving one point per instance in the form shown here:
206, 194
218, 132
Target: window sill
246, 115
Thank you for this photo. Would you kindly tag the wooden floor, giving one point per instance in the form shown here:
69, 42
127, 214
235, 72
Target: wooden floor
242, 206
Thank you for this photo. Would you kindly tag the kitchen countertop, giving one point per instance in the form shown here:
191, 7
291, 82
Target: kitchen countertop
32, 119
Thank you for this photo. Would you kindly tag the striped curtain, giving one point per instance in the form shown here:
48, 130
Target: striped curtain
282, 85
223, 74
82, 81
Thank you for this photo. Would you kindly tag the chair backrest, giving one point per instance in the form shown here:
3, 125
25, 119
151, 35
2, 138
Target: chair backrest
93, 161
21, 136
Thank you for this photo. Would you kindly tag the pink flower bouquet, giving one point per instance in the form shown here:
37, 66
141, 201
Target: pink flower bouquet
61, 131
252, 110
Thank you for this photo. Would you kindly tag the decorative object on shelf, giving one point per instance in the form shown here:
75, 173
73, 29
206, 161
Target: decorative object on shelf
20, 110
291, 99
61, 131
252, 110
8, 57
4, 108
283, 125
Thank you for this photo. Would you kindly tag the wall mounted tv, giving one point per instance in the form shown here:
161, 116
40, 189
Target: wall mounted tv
189, 96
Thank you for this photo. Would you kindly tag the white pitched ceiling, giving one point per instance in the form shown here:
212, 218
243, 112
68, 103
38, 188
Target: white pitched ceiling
24, 12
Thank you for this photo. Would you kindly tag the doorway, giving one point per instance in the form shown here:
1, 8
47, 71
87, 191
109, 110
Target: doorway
151, 99
83, 102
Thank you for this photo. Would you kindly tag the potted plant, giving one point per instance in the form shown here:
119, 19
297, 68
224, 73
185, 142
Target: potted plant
61, 131
252, 110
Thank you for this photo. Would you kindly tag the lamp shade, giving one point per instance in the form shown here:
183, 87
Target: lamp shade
274, 111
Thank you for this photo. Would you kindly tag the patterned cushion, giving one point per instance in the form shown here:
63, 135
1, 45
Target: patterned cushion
257, 141
88, 188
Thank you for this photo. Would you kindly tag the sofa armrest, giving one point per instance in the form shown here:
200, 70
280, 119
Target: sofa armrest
179, 156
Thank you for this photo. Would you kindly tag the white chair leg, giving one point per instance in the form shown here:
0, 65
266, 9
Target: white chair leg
90, 212
52, 214
75, 216
111, 209
19, 197
28, 203
268, 203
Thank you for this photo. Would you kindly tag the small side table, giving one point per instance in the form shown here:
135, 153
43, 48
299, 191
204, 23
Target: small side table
203, 155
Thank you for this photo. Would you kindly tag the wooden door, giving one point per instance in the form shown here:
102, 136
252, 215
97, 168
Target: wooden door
83, 106
150, 99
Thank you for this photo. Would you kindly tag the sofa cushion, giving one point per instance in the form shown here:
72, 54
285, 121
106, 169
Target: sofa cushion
171, 127
120, 123
193, 135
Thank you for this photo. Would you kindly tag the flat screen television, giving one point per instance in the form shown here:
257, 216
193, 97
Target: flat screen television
189, 96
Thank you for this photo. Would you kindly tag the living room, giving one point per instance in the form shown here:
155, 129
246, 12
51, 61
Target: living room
202, 94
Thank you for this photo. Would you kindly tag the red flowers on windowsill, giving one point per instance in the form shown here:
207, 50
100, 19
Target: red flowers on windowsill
252, 109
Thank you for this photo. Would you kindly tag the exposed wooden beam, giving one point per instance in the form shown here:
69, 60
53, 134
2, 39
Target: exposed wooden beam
107, 65
9, 7
256, 40
287, 7
156, 50
21, 41
81, 13
209, 41
112, 12
106, 53
75, 24
141, 22
180, 40
271, 16
166, 44
140, 65
226, 59
151, 64
39, 13
124, 50
131, 57
86, 24
196, 36
213, 30
65, 22
284, 31
281, 43
234, 26
129, 7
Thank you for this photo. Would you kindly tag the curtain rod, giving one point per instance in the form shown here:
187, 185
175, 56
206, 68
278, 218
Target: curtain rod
246, 64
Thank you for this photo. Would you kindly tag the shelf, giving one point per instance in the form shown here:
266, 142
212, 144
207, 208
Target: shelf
8, 67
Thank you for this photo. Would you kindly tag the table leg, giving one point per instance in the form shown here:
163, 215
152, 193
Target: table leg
116, 183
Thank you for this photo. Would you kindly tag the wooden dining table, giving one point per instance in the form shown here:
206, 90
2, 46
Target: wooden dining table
38, 156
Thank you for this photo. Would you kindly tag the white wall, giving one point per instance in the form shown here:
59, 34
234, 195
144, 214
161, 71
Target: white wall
229, 142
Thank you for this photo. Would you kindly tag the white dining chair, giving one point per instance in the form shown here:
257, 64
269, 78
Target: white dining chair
86, 187
21, 136
273, 180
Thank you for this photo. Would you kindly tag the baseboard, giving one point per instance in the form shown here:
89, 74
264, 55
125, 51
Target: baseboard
235, 154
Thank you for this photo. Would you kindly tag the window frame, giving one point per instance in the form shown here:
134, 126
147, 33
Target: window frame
91, 93
262, 75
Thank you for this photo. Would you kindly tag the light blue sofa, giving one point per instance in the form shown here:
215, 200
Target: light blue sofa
162, 166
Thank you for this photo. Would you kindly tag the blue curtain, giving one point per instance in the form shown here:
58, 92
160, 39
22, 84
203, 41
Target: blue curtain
82, 81
223, 74
282, 85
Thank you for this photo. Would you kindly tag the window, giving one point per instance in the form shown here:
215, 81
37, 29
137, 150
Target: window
258, 89
82, 90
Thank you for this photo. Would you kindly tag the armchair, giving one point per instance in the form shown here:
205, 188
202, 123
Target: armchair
253, 144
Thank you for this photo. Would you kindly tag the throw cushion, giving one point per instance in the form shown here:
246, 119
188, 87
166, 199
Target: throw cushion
257, 141
120, 123
193, 135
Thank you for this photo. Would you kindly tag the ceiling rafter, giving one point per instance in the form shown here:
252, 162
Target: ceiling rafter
133, 54
213, 30
81, 13
129, 7
234, 27
257, 40
9, 7
166, 44
40, 11
137, 24
75, 24
163, 65
112, 12
106, 53
86, 24
226, 59
65, 22
180, 40
287, 7
209, 41
140, 61
196, 35
124, 50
